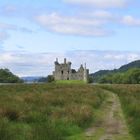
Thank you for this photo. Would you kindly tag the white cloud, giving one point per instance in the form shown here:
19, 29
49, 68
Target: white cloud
73, 25
97, 60
101, 14
100, 3
133, 56
96, 23
24, 64
42, 64
6, 57
114, 57
130, 21
3, 36
4, 30
5, 26
54, 19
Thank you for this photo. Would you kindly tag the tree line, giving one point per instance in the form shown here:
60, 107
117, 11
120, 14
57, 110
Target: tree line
6, 76
131, 76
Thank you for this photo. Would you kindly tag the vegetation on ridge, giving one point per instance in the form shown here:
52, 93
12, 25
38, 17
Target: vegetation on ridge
132, 76
99, 76
8, 77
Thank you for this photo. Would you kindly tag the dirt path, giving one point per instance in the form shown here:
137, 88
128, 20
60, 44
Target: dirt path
113, 125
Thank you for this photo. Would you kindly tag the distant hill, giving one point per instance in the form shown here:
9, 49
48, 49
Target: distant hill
99, 74
31, 79
6, 76
134, 64
37, 79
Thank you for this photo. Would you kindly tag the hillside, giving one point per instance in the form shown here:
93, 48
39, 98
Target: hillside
31, 79
99, 74
8, 77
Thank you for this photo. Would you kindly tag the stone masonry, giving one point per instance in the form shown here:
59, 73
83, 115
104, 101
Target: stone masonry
63, 71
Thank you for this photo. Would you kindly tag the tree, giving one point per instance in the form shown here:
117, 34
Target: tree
90, 79
8, 77
50, 78
132, 76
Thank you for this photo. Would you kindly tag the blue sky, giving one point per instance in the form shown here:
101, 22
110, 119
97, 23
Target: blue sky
47, 29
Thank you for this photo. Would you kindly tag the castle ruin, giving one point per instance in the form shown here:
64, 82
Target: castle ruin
63, 71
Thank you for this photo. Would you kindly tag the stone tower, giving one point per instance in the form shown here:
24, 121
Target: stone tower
86, 73
63, 71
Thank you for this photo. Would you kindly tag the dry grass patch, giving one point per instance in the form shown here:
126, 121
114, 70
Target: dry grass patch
48, 111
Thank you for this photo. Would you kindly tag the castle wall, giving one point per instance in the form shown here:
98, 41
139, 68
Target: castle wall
64, 72
77, 76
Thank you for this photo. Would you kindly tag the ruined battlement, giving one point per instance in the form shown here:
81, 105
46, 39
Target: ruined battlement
63, 71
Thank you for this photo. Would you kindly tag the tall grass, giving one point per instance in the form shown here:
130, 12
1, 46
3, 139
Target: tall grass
47, 111
130, 100
70, 82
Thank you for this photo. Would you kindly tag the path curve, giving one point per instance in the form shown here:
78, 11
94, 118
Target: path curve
113, 123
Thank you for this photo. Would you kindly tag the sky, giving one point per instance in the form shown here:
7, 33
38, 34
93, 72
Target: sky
102, 33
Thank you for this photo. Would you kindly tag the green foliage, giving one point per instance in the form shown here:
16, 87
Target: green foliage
101, 76
47, 111
134, 64
50, 78
130, 100
8, 77
43, 80
90, 79
131, 76
13, 131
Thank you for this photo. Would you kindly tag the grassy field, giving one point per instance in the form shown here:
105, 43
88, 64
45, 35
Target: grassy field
130, 99
70, 82
48, 111
62, 110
